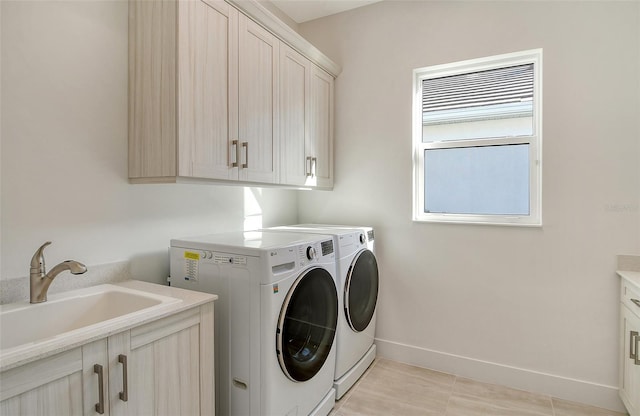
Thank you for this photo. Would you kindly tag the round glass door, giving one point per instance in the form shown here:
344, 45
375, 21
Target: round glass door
307, 325
361, 290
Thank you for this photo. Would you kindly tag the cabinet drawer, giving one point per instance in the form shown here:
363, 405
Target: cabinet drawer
631, 297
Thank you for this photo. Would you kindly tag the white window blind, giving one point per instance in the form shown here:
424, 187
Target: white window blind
483, 95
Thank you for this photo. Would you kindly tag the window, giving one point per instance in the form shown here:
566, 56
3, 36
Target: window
477, 141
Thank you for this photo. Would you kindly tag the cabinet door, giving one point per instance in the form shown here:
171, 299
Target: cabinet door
630, 374
119, 353
52, 386
152, 89
207, 97
164, 367
321, 127
257, 106
295, 166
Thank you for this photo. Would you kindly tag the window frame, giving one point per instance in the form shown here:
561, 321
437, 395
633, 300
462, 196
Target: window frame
534, 219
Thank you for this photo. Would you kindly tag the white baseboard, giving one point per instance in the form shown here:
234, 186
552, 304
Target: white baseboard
548, 384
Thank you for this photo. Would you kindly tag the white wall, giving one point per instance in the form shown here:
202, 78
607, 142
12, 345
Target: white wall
64, 151
535, 308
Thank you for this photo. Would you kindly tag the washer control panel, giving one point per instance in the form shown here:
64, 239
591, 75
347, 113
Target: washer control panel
194, 259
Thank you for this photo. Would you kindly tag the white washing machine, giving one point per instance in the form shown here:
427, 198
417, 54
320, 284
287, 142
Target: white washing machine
275, 319
357, 272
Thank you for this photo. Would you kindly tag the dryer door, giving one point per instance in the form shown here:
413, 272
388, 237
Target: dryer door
307, 325
361, 290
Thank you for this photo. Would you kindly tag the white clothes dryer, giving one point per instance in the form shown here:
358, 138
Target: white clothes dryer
275, 319
358, 281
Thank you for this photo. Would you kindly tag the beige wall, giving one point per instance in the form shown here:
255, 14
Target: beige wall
64, 151
535, 308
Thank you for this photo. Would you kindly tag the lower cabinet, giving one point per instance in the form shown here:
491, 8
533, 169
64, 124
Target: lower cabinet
630, 349
164, 367
51, 386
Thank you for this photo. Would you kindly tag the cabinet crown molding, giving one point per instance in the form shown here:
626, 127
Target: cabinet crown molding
272, 23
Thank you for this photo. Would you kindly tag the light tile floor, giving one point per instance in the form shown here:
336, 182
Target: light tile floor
391, 388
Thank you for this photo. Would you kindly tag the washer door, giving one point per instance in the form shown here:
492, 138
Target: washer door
307, 325
361, 290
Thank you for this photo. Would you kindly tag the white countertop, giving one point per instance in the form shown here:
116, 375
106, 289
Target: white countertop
15, 357
631, 277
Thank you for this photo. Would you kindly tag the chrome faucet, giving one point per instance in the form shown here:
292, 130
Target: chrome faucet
40, 279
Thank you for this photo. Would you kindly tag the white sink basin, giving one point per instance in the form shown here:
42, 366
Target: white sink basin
24, 323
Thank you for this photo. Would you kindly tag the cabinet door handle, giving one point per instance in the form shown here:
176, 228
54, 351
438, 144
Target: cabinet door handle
633, 350
124, 394
636, 301
246, 154
234, 152
636, 361
97, 368
307, 167
314, 161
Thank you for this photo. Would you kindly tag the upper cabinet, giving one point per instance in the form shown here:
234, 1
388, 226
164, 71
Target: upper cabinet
321, 128
207, 77
258, 103
183, 79
208, 99
306, 121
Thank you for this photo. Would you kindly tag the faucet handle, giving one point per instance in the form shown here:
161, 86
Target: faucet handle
37, 261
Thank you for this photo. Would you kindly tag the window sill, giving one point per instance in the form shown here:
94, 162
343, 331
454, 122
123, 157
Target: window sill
503, 221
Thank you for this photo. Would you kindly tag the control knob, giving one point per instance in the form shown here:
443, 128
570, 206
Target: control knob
311, 253
362, 239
